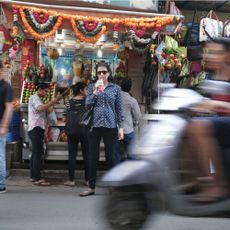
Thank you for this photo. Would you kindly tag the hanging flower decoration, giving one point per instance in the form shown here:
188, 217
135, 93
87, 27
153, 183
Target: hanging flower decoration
90, 25
39, 24
15, 33
89, 29
91, 33
15, 14
40, 17
140, 45
139, 32
115, 34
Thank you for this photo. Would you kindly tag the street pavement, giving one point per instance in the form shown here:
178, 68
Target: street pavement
57, 207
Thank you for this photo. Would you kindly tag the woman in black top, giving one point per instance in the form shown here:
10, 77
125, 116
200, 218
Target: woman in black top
75, 132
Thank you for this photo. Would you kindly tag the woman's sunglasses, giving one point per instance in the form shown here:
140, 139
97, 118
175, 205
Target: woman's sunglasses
102, 72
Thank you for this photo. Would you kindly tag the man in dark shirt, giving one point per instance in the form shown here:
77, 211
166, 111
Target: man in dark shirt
6, 108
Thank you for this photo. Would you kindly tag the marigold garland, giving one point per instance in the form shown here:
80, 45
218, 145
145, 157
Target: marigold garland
82, 37
140, 45
81, 27
32, 29
155, 23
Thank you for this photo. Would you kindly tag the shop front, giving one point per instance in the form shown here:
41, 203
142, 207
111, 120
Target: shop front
62, 47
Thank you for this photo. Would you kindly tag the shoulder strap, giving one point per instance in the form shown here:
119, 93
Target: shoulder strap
71, 104
190, 30
3, 85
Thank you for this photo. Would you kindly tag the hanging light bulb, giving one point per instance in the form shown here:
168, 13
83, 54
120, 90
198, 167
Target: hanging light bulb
99, 52
60, 51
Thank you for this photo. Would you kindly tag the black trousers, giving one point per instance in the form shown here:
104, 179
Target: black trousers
110, 136
73, 142
37, 137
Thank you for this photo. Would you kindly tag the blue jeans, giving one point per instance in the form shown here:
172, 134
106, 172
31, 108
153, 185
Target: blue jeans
128, 140
2, 162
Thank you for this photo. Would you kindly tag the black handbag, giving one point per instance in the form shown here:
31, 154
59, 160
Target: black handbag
87, 117
195, 53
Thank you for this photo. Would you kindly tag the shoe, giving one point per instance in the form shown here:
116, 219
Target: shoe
42, 182
69, 183
3, 190
87, 192
86, 183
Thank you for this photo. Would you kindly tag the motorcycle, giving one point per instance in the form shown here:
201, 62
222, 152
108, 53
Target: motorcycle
141, 187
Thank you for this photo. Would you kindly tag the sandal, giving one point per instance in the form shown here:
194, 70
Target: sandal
87, 192
42, 182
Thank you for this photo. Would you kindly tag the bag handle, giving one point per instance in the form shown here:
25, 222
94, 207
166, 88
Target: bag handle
167, 6
211, 14
190, 30
225, 24
171, 4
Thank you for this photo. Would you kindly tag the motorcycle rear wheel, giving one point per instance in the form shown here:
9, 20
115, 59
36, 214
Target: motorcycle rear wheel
127, 208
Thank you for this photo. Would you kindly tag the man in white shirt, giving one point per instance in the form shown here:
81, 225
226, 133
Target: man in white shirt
37, 124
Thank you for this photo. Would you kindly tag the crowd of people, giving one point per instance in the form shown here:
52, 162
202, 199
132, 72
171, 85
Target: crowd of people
114, 115
115, 112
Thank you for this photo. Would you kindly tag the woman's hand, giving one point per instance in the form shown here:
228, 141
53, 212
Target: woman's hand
99, 86
120, 134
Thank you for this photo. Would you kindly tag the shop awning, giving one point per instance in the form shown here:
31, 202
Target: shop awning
125, 5
205, 5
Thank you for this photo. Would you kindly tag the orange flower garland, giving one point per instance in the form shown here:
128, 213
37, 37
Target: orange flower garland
154, 22
33, 33
84, 38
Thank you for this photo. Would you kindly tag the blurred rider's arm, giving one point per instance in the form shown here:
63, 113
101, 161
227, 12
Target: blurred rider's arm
213, 106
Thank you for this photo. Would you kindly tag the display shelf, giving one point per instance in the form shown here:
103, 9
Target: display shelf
29, 88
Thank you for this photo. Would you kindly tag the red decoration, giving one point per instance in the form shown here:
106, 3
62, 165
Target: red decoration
90, 25
139, 32
115, 27
5, 39
41, 18
28, 50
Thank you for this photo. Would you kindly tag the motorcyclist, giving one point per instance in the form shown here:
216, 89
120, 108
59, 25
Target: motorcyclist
210, 134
